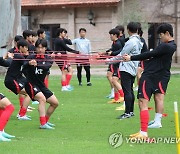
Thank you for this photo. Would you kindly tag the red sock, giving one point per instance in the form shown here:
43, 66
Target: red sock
5, 115
1, 111
21, 100
121, 92
68, 78
144, 118
63, 83
46, 82
116, 96
42, 120
22, 111
47, 118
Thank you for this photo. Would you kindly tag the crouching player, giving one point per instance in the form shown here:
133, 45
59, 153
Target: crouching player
35, 70
6, 109
14, 79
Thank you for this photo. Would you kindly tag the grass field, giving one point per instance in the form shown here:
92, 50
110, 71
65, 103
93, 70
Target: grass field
84, 122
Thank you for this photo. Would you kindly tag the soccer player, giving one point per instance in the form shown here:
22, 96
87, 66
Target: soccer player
28, 36
35, 70
155, 77
12, 51
14, 79
42, 35
65, 67
113, 73
34, 37
6, 108
83, 45
128, 70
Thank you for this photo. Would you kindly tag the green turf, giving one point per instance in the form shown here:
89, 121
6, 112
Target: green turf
84, 122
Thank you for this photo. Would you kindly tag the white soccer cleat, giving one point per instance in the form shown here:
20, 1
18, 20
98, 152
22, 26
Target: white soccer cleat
24, 118
155, 125
64, 88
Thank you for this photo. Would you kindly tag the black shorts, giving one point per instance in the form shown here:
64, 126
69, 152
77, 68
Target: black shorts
114, 68
32, 90
1, 96
63, 65
150, 85
16, 85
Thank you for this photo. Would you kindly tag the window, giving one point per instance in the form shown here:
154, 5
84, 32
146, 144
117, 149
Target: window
50, 30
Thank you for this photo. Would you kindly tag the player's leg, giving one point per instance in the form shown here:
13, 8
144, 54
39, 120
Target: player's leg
88, 74
69, 76
144, 94
126, 82
53, 105
109, 77
159, 108
79, 75
24, 107
6, 109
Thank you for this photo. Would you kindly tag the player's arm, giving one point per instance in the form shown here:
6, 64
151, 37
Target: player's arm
159, 51
118, 46
68, 48
126, 50
5, 63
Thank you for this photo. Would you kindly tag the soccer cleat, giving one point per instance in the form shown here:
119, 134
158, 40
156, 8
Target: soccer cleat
151, 122
64, 88
31, 108
124, 116
26, 115
6, 135
138, 136
132, 114
155, 125
35, 102
113, 101
46, 126
89, 84
121, 108
50, 124
70, 87
24, 118
3, 139
80, 84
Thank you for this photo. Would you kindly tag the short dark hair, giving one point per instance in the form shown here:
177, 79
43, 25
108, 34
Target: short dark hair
114, 31
120, 28
82, 29
27, 33
34, 33
22, 43
40, 31
17, 38
43, 42
60, 30
165, 27
140, 31
132, 27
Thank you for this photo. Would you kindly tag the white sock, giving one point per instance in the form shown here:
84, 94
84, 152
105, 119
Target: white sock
143, 133
112, 91
1, 132
124, 104
158, 117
